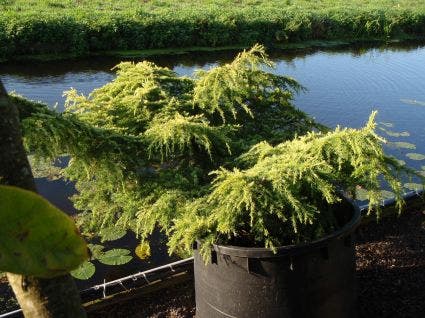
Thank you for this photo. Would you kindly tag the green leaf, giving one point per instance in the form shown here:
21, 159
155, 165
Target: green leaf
361, 194
37, 238
84, 271
112, 233
412, 102
44, 169
386, 124
96, 250
402, 144
394, 133
401, 162
414, 186
118, 256
387, 194
415, 156
143, 250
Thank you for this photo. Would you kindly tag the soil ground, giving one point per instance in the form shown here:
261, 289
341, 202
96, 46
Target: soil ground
390, 271
391, 267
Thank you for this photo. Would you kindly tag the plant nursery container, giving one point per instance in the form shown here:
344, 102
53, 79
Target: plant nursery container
307, 280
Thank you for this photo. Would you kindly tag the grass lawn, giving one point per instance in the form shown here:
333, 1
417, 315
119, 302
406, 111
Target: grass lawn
156, 6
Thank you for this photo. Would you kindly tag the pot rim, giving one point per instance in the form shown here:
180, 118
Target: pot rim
295, 249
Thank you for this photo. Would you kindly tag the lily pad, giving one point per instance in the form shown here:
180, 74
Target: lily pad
401, 162
387, 194
112, 233
96, 250
402, 144
37, 238
386, 124
414, 186
394, 133
361, 194
143, 250
412, 102
415, 156
117, 256
422, 173
84, 271
423, 167
44, 169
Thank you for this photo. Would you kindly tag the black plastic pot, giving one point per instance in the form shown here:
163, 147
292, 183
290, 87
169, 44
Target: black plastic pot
309, 280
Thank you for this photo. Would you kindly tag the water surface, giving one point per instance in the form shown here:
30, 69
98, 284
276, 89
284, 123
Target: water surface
344, 85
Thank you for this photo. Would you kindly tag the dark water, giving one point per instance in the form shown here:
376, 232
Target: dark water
344, 86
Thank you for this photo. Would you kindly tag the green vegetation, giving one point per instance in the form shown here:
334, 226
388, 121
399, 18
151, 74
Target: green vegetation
80, 27
220, 156
85, 271
111, 257
37, 238
415, 156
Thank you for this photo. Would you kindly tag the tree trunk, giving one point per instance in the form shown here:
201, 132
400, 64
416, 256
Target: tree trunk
41, 298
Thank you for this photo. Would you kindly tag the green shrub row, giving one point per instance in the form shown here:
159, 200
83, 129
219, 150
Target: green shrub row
87, 32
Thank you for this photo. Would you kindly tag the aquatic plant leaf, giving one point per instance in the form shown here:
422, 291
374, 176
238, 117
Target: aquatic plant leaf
112, 233
401, 162
415, 156
42, 168
386, 124
117, 256
414, 186
412, 102
394, 133
387, 194
85, 271
401, 144
37, 238
361, 194
96, 250
423, 167
143, 250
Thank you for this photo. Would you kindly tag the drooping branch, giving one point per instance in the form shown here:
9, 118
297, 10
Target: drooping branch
51, 134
